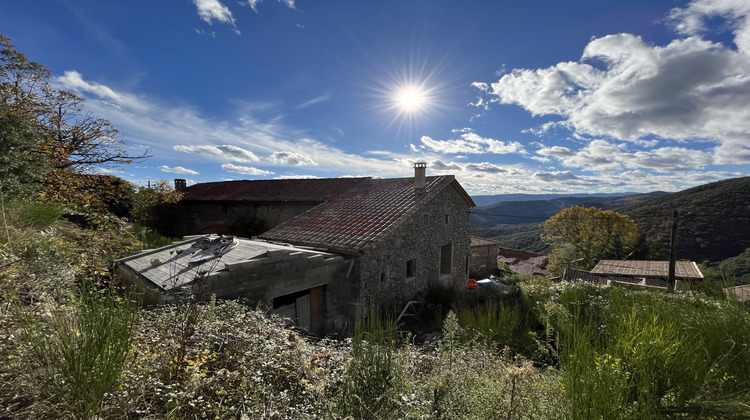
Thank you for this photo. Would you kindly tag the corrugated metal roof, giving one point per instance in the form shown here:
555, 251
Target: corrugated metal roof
683, 269
361, 215
271, 190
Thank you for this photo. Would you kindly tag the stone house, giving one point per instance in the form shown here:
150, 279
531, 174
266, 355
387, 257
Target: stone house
403, 234
379, 240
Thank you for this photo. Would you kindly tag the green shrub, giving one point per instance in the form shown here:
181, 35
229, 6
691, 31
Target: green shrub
77, 355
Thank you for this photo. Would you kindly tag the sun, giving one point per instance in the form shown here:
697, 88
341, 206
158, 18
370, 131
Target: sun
410, 99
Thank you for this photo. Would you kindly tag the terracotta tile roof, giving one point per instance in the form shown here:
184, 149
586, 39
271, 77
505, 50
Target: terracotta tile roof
683, 269
271, 190
523, 262
361, 215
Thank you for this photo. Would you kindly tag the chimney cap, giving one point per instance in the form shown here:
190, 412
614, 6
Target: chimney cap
420, 164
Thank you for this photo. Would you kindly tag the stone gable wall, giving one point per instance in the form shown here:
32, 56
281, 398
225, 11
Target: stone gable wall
382, 271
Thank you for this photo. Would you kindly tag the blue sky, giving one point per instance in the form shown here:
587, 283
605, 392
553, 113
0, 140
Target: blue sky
511, 97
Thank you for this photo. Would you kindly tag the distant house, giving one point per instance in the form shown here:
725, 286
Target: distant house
523, 262
483, 257
381, 240
645, 273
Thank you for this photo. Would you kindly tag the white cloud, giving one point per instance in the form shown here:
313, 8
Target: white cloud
245, 170
178, 170
224, 151
291, 158
254, 4
471, 142
213, 10
604, 156
690, 90
313, 101
555, 176
73, 81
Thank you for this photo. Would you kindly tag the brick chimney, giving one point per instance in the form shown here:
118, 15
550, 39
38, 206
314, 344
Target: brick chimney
419, 177
180, 184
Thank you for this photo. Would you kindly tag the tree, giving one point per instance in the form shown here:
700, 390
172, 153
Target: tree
22, 164
589, 234
153, 206
69, 136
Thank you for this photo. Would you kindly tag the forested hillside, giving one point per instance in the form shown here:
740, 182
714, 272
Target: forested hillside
713, 220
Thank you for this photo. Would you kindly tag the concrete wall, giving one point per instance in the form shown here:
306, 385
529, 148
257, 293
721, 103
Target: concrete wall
283, 273
382, 271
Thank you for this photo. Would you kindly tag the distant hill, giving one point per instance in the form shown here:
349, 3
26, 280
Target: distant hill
713, 220
537, 211
487, 200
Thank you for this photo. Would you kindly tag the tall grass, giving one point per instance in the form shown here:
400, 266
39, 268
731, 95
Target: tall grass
374, 372
77, 355
634, 354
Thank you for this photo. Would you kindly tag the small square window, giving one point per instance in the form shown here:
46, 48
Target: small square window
411, 268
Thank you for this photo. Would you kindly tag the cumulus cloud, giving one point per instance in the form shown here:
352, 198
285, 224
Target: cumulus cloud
244, 170
225, 151
214, 10
605, 156
471, 142
291, 158
690, 90
178, 170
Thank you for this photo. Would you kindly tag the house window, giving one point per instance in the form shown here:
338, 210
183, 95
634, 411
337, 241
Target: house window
446, 218
446, 254
382, 277
411, 268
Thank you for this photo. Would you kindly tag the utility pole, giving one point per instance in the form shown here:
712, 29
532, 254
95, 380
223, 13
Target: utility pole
672, 254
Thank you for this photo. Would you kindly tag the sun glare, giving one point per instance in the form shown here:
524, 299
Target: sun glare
410, 99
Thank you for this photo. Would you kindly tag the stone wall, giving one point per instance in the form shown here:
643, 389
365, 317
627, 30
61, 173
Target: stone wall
483, 260
382, 271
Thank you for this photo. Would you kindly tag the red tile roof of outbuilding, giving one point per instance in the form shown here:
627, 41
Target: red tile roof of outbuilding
523, 262
362, 214
272, 190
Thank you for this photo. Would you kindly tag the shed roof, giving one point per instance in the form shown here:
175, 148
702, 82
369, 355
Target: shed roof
271, 190
172, 266
683, 269
362, 214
